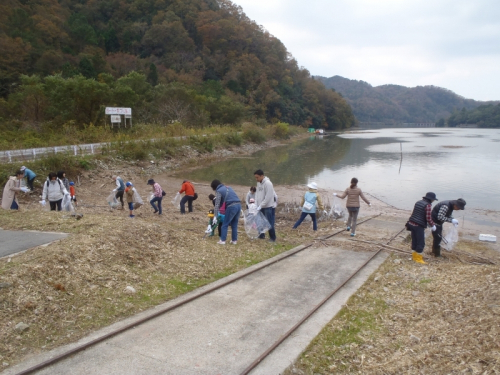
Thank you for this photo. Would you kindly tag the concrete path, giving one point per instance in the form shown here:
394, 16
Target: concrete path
224, 331
12, 242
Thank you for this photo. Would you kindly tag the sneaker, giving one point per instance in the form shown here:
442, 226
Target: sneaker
348, 229
155, 211
234, 242
221, 242
353, 234
131, 216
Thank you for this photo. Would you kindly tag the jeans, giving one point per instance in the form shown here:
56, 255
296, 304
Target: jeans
30, 183
189, 199
55, 204
153, 201
14, 205
269, 214
417, 238
353, 218
119, 194
303, 215
231, 219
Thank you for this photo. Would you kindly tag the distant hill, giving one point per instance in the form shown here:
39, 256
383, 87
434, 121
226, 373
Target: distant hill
394, 103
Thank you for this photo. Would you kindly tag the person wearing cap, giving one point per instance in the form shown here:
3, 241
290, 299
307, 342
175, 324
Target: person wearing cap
421, 218
265, 198
129, 192
353, 193
189, 196
157, 196
120, 188
12, 187
29, 175
250, 195
441, 213
309, 201
72, 192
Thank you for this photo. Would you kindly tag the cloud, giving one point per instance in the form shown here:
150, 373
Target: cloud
453, 44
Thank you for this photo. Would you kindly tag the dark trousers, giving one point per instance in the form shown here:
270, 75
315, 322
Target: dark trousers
437, 236
153, 201
119, 194
14, 205
269, 214
30, 183
56, 204
303, 215
189, 199
417, 238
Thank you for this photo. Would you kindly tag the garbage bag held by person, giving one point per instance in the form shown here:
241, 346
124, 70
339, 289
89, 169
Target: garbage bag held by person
112, 201
255, 223
450, 238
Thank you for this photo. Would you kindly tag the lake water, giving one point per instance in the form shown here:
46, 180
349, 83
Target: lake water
453, 163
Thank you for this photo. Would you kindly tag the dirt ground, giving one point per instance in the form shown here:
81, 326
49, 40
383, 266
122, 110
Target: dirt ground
74, 286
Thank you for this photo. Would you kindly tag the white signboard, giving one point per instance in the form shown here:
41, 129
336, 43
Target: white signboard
118, 111
115, 118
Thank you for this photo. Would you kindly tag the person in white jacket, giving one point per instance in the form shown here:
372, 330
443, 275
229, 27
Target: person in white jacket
54, 192
265, 200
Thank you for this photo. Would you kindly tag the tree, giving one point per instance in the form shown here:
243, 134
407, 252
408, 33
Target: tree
153, 75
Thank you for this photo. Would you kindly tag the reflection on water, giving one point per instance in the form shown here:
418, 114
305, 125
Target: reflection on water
453, 163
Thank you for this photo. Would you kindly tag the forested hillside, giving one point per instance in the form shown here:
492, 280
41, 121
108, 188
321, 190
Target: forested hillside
485, 116
194, 61
397, 104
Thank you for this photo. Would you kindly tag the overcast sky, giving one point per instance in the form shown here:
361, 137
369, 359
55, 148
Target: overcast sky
453, 44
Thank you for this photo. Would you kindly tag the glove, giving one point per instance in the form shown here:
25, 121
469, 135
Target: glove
454, 222
335, 194
42, 202
433, 228
176, 195
114, 190
369, 204
214, 221
259, 208
209, 229
24, 189
324, 212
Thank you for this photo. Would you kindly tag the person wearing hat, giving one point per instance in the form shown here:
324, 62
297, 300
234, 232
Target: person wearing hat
72, 192
353, 193
30, 176
441, 213
420, 219
12, 187
157, 196
129, 192
309, 201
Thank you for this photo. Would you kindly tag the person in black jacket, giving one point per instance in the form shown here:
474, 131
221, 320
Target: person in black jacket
421, 218
441, 213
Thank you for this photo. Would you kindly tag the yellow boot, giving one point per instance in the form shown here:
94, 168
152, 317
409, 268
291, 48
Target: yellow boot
418, 258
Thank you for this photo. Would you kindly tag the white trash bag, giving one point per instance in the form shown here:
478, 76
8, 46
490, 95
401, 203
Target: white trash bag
450, 238
112, 201
255, 224
66, 204
138, 202
338, 210
176, 200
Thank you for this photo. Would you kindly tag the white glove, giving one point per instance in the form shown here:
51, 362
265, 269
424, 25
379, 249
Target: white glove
42, 202
24, 189
209, 229
324, 212
335, 194
433, 228
176, 195
369, 204
454, 222
214, 221
114, 190
259, 208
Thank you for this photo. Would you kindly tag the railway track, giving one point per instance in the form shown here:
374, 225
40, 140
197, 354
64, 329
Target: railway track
77, 349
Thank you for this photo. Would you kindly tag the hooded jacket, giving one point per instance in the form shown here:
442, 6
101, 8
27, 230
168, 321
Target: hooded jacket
53, 190
12, 186
264, 196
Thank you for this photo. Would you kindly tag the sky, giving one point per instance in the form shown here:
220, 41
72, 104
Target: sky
451, 44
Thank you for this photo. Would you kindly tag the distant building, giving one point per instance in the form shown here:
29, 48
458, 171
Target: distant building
419, 124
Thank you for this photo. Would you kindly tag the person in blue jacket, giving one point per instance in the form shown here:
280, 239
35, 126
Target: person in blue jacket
308, 204
29, 175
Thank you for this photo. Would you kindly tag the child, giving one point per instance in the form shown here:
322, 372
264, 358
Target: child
252, 207
129, 191
72, 193
220, 219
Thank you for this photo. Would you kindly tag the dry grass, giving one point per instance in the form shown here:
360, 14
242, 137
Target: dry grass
442, 318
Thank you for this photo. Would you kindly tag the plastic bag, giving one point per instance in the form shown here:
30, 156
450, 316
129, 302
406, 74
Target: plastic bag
112, 201
450, 238
151, 197
176, 200
138, 202
255, 224
66, 204
338, 210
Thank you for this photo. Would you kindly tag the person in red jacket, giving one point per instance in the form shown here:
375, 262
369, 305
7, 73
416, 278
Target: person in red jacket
189, 197
72, 192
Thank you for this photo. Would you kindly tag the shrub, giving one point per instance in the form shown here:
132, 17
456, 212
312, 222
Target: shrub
281, 130
254, 134
234, 139
202, 144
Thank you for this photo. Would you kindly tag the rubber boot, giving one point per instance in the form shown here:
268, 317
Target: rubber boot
418, 258
436, 250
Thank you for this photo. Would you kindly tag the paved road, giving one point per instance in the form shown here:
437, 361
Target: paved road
224, 331
12, 242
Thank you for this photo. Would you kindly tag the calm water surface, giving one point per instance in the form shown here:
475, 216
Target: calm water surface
453, 163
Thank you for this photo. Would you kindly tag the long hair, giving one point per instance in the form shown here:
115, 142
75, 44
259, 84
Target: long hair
354, 182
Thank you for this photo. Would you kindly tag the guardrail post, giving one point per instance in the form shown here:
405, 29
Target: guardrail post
10, 157
74, 148
55, 150
34, 154
92, 148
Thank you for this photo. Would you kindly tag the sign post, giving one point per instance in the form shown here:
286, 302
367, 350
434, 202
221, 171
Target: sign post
116, 114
